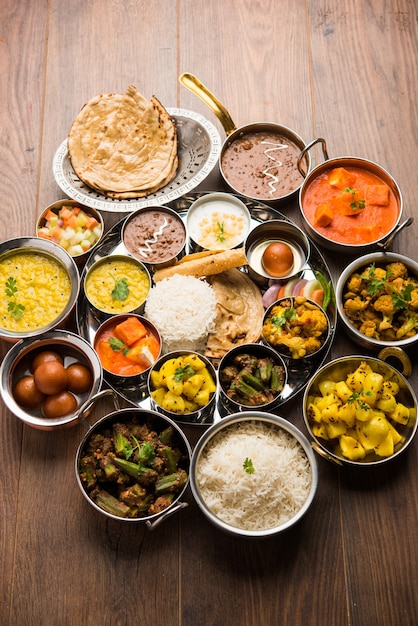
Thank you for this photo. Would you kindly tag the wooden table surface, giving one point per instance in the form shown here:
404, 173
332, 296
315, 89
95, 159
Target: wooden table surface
346, 70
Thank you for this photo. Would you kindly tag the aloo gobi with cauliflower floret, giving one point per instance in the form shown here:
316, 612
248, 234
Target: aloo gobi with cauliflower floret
381, 301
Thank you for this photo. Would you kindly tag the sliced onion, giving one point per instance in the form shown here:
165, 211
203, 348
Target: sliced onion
310, 287
270, 295
288, 290
299, 286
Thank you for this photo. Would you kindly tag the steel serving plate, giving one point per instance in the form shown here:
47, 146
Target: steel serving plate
298, 373
199, 146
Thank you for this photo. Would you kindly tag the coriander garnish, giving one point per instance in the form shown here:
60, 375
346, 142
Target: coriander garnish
15, 309
356, 204
280, 320
121, 290
248, 466
183, 372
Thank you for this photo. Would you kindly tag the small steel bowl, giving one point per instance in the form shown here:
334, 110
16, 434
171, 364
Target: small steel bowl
159, 247
270, 232
379, 259
217, 221
156, 422
114, 272
260, 351
195, 416
318, 234
235, 421
80, 256
38, 246
114, 377
339, 370
292, 302
16, 364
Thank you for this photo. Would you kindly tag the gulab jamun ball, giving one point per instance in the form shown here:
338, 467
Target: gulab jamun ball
277, 259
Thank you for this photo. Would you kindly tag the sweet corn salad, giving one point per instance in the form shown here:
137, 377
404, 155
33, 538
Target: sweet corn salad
117, 285
35, 289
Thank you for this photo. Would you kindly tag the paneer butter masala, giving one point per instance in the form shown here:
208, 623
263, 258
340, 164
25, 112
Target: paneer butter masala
350, 205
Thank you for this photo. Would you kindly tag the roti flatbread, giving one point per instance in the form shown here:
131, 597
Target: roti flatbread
240, 312
123, 145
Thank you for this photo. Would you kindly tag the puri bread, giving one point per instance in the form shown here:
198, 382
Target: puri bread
124, 145
204, 264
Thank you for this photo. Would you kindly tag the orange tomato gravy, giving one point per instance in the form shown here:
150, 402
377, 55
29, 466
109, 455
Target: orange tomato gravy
131, 356
350, 205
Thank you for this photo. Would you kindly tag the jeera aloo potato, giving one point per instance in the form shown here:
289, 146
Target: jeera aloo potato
28, 279
360, 413
182, 384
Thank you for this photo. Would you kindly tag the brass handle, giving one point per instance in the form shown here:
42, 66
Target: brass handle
399, 354
194, 85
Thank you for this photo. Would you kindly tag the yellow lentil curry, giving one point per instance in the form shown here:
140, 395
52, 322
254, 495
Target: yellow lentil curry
117, 285
35, 289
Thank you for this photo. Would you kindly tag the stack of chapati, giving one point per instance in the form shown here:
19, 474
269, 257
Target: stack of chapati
124, 145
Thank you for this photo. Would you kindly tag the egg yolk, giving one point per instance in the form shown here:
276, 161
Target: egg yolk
277, 259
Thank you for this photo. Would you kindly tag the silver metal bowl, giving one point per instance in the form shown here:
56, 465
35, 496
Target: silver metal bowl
356, 162
284, 350
81, 258
158, 423
236, 403
196, 416
104, 312
380, 259
269, 232
237, 419
153, 250
339, 370
58, 254
131, 381
16, 364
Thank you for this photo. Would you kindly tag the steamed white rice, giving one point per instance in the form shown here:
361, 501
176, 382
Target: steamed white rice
183, 309
266, 498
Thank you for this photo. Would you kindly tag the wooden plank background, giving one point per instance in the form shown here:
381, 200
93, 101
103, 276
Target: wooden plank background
345, 70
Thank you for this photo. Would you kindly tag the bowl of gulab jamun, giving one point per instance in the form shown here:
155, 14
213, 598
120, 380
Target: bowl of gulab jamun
276, 250
46, 380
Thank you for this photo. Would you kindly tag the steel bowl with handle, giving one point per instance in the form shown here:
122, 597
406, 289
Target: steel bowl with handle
277, 173
102, 495
369, 425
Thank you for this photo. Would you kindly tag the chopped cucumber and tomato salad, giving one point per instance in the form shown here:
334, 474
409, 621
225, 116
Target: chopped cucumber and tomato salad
72, 228
318, 289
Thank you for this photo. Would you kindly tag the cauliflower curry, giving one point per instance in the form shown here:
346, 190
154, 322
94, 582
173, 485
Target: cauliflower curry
382, 301
296, 327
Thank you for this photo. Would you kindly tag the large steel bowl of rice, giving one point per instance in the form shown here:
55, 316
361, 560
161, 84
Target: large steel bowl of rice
253, 474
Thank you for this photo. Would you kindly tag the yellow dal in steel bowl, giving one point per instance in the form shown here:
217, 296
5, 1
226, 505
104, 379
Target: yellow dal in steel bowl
35, 289
117, 284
